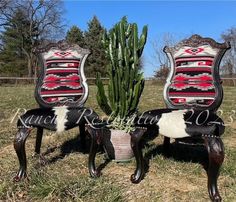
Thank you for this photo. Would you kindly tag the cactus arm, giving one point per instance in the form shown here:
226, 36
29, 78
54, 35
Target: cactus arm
101, 96
124, 48
135, 45
142, 40
137, 93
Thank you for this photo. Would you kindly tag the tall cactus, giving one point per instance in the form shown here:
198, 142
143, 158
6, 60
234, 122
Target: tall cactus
126, 82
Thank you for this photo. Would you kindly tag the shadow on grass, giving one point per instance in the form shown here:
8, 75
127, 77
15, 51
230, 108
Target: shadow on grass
180, 151
68, 147
71, 146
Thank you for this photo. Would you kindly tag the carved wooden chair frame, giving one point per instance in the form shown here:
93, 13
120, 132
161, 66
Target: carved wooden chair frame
189, 115
56, 113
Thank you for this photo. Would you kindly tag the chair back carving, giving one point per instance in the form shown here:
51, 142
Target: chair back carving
62, 80
194, 80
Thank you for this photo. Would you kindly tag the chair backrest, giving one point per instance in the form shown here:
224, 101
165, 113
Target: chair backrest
62, 80
194, 80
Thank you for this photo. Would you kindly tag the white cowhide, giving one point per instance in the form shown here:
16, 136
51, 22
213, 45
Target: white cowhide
172, 124
61, 117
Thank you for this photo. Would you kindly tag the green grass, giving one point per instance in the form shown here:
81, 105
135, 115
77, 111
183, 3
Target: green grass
66, 177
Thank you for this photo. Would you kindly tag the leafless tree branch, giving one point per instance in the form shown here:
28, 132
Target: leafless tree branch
229, 60
44, 18
158, 57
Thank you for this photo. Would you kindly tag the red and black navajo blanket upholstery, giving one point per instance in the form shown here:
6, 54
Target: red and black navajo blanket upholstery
192, 80
62, 82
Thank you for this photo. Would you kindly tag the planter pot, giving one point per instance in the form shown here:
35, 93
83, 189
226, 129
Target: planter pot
117, 145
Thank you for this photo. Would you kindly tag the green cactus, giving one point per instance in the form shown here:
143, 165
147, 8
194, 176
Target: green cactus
124, 48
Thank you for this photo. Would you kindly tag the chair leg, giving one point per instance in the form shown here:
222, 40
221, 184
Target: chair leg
95, 141
215, 150
39, 137
135, 144
166, 145
82, 136
19, 146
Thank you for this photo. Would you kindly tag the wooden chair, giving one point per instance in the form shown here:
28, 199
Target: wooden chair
61, 92
193, 93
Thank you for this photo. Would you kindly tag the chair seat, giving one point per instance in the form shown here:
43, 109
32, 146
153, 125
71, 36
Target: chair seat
57, 118
182, 123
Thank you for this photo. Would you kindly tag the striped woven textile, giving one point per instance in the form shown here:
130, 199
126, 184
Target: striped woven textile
192, 79
61, 79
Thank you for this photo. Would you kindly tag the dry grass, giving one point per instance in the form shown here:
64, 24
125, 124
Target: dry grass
66, 178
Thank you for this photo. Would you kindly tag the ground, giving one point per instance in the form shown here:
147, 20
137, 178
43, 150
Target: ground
65, 177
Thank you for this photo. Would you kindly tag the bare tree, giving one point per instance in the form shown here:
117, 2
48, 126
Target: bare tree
43, 23
5, 7
162, 72
159, 59
229, 60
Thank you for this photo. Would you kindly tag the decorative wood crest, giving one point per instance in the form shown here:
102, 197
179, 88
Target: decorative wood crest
62, 45
195, 41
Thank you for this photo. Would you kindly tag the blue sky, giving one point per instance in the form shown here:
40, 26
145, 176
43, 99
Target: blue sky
180, 18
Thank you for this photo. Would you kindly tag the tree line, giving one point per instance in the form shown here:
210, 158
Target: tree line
26, 24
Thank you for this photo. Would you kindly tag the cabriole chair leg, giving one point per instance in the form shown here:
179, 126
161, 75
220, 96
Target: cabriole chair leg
82, 137
19, 146
215, 150
95, 141
38, 142
166, 145
136, 136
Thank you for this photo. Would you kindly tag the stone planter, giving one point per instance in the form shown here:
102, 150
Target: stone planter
117, 145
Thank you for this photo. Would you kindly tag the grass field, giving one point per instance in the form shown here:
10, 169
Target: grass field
66, 178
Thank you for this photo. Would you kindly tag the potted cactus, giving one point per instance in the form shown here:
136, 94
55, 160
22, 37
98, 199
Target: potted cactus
126, 82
